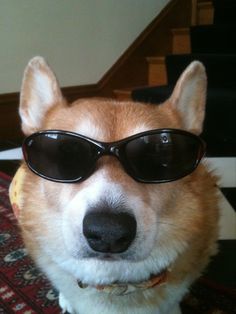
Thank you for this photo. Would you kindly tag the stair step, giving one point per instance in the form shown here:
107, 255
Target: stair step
156, 71
123, 94
181, 42
164, 70
205, 13
205, 39
220, 68
153, 94
225, 11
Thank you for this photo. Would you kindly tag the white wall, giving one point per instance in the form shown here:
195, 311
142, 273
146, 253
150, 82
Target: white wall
81, 39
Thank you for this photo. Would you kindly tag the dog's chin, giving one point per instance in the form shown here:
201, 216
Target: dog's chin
96, 268
107, 269
147, 281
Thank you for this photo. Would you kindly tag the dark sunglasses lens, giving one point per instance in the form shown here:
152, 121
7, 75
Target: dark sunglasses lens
163, 157
59, 156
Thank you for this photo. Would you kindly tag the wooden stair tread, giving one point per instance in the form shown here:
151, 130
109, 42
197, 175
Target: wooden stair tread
205, 4
156, 59
180, 31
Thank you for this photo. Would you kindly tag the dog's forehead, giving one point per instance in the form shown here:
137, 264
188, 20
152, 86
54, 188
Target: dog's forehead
109, 120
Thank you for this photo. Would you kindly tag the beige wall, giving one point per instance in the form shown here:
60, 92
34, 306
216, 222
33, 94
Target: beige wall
81, 39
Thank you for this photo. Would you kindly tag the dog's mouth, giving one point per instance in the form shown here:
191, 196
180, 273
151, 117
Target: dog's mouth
119, 288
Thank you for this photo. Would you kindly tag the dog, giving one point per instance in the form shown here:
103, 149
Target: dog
116, 204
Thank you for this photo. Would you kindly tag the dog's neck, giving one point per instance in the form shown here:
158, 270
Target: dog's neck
126, 288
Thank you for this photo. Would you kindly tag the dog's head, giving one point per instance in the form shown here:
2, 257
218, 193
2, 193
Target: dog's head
110, 227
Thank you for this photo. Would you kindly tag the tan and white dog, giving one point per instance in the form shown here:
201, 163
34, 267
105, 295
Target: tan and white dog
170, 228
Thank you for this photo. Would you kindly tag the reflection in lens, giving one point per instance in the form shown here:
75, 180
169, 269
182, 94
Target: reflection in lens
162, 157
60, 156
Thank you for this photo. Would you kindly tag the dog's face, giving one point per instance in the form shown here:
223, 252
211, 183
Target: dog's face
111, 227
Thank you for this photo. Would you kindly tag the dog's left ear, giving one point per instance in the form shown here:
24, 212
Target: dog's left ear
189, 97
40, 91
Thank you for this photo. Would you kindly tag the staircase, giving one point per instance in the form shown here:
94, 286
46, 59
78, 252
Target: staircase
212, 41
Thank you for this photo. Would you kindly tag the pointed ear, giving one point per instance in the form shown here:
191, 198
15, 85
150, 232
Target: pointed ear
189, 97
39, 93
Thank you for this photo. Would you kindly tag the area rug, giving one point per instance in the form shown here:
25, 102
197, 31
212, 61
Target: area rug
25, 290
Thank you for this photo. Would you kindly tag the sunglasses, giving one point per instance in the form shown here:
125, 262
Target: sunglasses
155, 156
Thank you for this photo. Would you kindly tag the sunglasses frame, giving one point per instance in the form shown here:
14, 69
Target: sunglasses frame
116, 149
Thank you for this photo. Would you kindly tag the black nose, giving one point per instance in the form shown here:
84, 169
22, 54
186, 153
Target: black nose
108, 232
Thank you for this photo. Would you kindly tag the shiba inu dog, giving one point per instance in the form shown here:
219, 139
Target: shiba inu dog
116, 206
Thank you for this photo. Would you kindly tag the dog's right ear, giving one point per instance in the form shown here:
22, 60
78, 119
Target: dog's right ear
39, 93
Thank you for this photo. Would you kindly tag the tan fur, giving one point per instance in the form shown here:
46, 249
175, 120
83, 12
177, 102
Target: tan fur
185, 211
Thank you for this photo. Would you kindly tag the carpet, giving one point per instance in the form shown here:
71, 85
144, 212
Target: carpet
25, 290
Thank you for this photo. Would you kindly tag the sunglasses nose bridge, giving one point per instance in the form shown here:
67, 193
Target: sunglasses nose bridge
114, 150
104, 149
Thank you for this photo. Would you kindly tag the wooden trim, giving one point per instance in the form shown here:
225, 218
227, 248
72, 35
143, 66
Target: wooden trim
194, 13
157, 74
156, 60
205, 13
131, 69
123, 94
181, 43
72, 93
